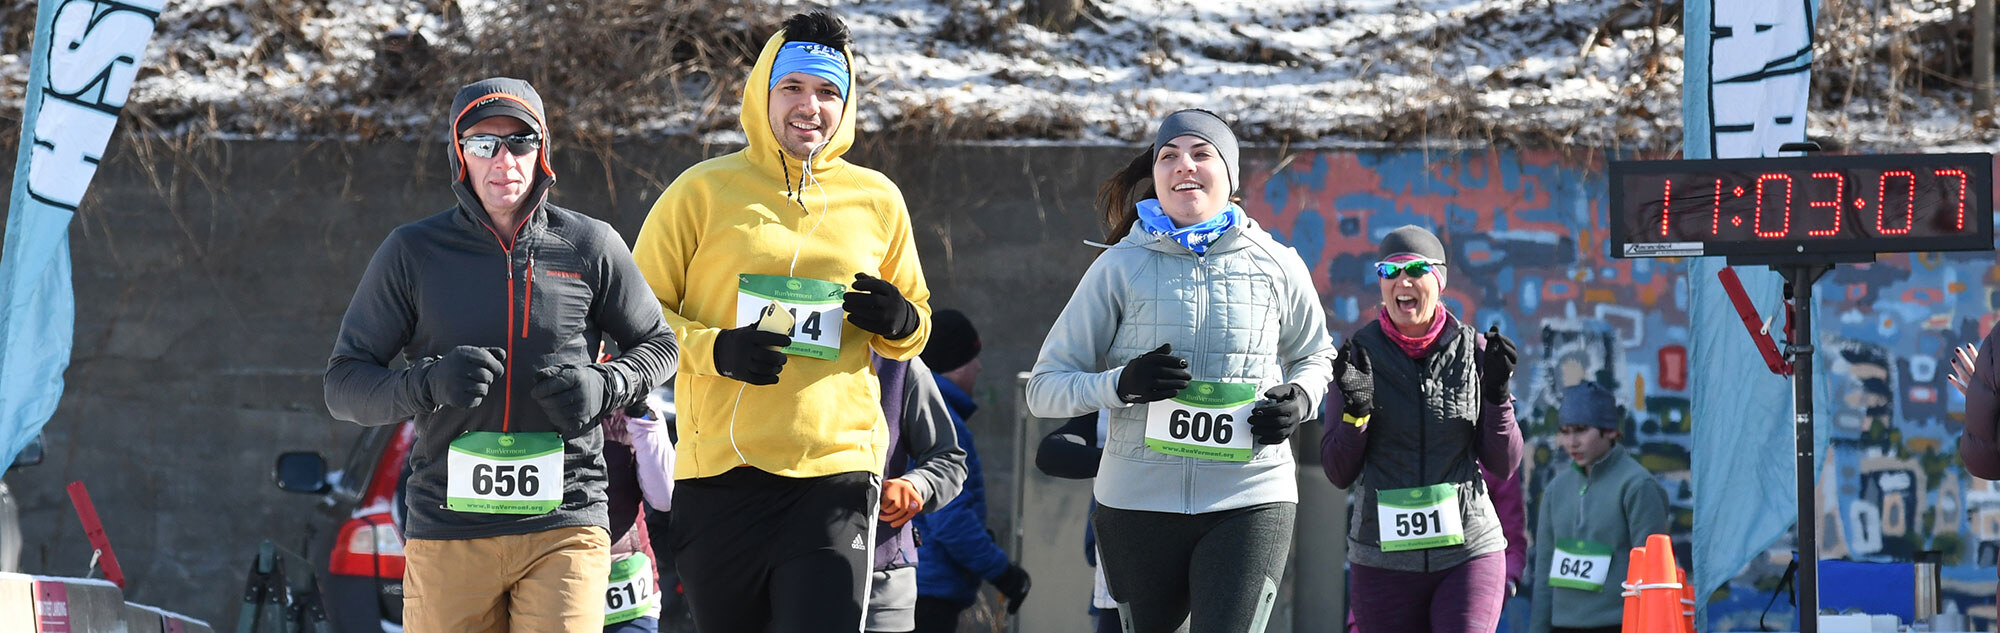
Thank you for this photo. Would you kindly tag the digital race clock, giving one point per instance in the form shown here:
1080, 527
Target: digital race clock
1829, 208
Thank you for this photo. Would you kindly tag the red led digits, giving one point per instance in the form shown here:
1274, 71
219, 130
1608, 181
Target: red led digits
1960, 175
1839, 194
1666, 204
1757, 224
1882, 202
1715, 219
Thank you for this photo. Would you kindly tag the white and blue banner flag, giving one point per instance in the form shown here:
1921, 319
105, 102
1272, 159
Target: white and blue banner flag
1744, 94
85, 57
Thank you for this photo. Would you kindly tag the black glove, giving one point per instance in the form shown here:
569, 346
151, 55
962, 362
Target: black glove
574, 395
1282, 409
750, 355
877, 306
1153, 376
463, 375
1013, 584
1496, 366
1353, 373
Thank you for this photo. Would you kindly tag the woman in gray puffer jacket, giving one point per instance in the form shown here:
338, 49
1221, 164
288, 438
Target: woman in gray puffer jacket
1206, 341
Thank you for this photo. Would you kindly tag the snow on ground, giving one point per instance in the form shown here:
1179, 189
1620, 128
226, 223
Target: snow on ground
1548, 73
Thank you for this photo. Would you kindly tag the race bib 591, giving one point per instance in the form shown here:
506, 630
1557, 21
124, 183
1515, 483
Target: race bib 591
1418, 518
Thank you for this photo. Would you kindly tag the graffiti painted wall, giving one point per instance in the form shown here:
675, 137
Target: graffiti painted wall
1526, 235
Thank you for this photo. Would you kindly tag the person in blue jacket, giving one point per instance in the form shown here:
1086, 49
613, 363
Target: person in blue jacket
957, 552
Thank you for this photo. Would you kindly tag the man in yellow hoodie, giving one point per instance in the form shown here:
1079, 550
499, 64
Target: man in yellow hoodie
782, 439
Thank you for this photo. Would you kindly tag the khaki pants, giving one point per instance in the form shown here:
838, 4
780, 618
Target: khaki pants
546, 581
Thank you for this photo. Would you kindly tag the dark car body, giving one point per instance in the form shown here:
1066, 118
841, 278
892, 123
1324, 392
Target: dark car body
359, 562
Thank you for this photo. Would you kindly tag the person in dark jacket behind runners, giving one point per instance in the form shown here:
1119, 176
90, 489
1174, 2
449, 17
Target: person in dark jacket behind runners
1205, 339
498, 305
1593, 512
1424, 405
957, 551
924, 472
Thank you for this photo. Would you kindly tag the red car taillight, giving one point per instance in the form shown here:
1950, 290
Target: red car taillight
368, 546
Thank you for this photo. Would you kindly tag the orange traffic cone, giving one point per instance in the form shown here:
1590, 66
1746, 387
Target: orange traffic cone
1633, 580
1660, 595
1687, 600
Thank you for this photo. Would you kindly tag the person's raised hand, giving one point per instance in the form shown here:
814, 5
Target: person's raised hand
1496, 366
1356, 379
1963, 359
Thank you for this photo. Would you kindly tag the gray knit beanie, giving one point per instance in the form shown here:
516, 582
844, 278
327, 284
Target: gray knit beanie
1206, 126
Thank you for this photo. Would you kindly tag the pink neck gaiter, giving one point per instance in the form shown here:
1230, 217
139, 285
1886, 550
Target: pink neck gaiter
1413, 346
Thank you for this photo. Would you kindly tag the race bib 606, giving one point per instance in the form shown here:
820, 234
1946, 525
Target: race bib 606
1208, 420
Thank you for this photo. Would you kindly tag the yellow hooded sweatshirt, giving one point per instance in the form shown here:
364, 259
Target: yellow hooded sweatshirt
747, 213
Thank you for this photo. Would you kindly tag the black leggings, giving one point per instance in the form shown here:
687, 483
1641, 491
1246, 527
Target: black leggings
759, 552
937, 615
1155, 562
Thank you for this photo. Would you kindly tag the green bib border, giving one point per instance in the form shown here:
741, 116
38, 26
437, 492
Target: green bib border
1582, 547
809, 350
499, 446
1201, 452
1428, 542
1566, 583
490, 506
1415, 498
780, 288
1217, 395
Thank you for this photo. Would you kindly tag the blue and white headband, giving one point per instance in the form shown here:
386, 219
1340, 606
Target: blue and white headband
818, 60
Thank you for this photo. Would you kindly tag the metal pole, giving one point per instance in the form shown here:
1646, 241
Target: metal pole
1025, 427
1982, 63
1802, 278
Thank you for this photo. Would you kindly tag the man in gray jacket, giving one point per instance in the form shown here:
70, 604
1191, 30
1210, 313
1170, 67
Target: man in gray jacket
497, 306
1593, 512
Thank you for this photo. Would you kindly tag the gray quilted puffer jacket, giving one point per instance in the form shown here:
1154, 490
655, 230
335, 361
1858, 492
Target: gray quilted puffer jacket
1246, 311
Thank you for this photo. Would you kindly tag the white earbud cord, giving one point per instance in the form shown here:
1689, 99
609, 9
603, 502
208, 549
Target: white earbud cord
806, 166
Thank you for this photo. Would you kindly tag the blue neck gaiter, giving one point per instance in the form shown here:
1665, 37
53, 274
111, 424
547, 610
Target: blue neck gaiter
1195, 237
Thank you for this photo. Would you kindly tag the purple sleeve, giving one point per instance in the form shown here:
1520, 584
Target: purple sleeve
655, 457
1499, 439
1343, 445
1506, 492
1982, 409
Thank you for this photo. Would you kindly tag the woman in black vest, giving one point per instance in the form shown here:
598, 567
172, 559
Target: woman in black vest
1424, 403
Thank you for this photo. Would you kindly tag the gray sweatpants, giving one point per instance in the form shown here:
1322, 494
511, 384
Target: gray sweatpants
1156, 561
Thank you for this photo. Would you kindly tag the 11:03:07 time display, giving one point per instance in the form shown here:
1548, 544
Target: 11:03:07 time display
1838, 204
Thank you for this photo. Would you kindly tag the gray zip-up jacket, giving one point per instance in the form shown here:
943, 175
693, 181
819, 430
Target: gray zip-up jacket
1615, 502
1246, 311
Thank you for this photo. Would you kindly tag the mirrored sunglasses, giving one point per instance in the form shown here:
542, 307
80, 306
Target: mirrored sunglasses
1417, 268
488, 145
